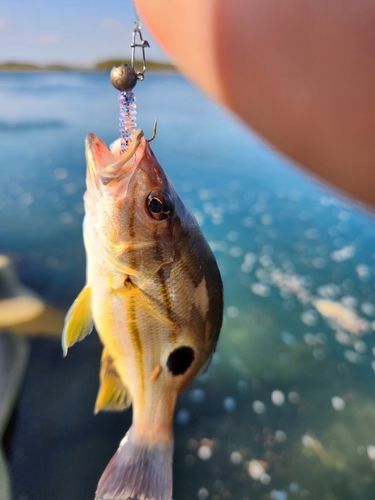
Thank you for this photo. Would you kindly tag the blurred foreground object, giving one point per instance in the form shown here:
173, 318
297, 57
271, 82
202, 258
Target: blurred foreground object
22, 310
301, 74
13, 360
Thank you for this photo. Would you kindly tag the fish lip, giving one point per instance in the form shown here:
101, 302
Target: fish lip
106, 167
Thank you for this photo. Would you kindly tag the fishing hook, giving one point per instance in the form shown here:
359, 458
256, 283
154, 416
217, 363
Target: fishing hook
153, 131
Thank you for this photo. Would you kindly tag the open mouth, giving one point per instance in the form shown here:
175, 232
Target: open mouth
109, 165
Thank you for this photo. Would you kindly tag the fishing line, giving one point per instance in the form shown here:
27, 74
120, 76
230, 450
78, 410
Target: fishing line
124, 78
137, 21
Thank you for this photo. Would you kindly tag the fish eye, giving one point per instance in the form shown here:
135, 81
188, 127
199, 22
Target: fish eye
159, 204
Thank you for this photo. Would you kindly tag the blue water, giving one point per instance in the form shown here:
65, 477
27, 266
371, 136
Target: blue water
287, 409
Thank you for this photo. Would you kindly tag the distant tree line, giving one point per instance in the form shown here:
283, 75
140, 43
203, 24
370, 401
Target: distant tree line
100, 66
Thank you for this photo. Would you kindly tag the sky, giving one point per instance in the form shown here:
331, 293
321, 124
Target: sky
76, 32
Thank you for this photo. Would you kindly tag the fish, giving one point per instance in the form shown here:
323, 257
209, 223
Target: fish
155, 295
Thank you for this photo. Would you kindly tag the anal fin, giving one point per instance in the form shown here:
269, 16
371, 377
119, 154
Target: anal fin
78, 321
113, 395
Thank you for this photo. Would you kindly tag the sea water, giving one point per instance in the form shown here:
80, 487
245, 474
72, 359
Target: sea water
287, 408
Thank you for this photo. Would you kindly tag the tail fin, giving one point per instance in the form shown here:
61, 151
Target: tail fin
138, 472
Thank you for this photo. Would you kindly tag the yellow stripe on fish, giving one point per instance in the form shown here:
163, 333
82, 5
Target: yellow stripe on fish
166, 298
137, 343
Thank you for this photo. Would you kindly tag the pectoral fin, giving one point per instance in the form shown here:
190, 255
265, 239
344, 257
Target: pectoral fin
78, 321
112, 395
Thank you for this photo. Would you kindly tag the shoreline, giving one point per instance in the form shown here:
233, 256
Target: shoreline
101, 67
88, 71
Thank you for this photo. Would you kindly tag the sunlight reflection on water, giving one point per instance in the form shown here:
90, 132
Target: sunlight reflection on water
287, 408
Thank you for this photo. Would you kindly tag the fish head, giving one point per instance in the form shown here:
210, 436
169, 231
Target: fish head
131, 206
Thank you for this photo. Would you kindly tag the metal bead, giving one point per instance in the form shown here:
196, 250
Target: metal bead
123, 78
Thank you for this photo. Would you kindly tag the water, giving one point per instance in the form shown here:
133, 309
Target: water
287, 409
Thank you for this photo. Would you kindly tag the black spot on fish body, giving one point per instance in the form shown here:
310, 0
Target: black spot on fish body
180, 360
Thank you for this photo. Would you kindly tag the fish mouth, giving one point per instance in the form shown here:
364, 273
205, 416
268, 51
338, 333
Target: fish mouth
108, 166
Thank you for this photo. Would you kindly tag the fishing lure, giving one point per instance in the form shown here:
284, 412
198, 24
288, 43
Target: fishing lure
154, 293
124, 79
